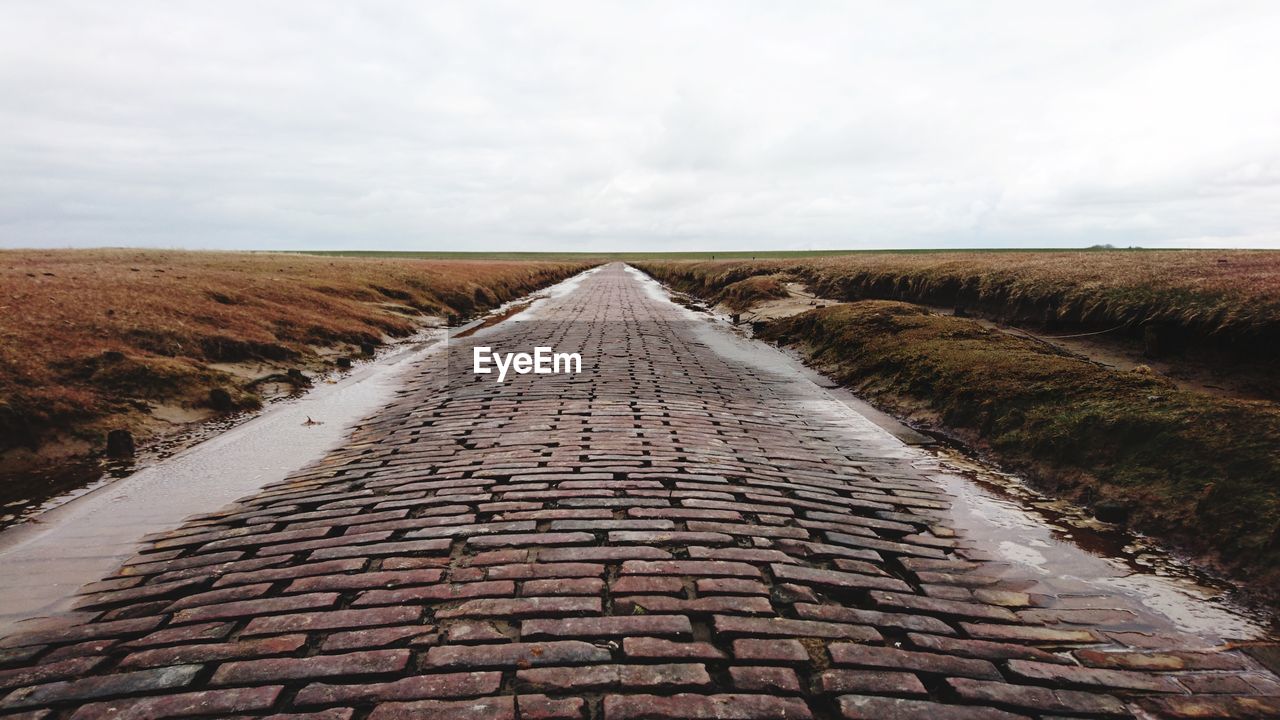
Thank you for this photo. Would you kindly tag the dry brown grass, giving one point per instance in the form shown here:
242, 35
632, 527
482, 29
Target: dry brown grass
1227, 298
85, 334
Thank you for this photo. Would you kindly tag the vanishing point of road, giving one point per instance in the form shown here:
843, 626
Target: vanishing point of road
678, 531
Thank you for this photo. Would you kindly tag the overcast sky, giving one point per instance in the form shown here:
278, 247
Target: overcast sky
644, 125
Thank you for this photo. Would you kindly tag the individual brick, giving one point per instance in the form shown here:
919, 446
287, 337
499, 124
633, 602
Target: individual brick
250, 608
330, 714
100, 686
864, 707
149, 591
530, 571
563, 586
1215, 684
18, 655
612, 524
183, 634
162, 566
786, 627
773, 680
357, 663
1187, 708
462, 633
1125, 679
203, 702
437, 593
729, 586
942, 607
329, 567
417, 687
982, 649
541, 707
378, 637
836, 579
530, 539
78, 633
897, 621
493, 708
48, 671
88, 648
1039, 699
650, 648
695, 568
608, 626
209, 652
264, 539
367, 580
668, 537
331, 620
602, 554
412, 563
877, 682
522, 654
603, 677
697, 606
646, 585
1028, 634
687, 706
1157, 660
452, 531
522, 607
404, 547
886, 657
774, 650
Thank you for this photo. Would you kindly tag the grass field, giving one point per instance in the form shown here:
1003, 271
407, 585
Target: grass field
1228, 300
1180, 462
97, 338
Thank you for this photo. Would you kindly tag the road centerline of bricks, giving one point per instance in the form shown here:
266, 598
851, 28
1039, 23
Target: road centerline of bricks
668, 534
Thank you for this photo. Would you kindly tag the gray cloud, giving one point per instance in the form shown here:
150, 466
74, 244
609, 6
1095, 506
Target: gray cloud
598, 125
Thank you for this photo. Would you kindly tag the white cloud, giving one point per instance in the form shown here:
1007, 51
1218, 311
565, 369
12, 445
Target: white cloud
598, 125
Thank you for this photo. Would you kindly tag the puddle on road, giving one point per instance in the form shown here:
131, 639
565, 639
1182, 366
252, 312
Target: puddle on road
1075, 563
54, 487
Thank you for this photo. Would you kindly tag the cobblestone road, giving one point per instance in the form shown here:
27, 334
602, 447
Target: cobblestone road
669, 534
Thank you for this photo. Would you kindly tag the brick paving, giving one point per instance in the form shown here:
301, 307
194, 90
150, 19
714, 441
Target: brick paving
670, 534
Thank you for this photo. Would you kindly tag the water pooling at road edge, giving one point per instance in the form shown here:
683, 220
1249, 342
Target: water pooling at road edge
87, 534
1083, 571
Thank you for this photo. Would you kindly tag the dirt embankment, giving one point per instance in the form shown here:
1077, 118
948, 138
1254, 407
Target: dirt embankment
1197, 470
1223, 306
147, 340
